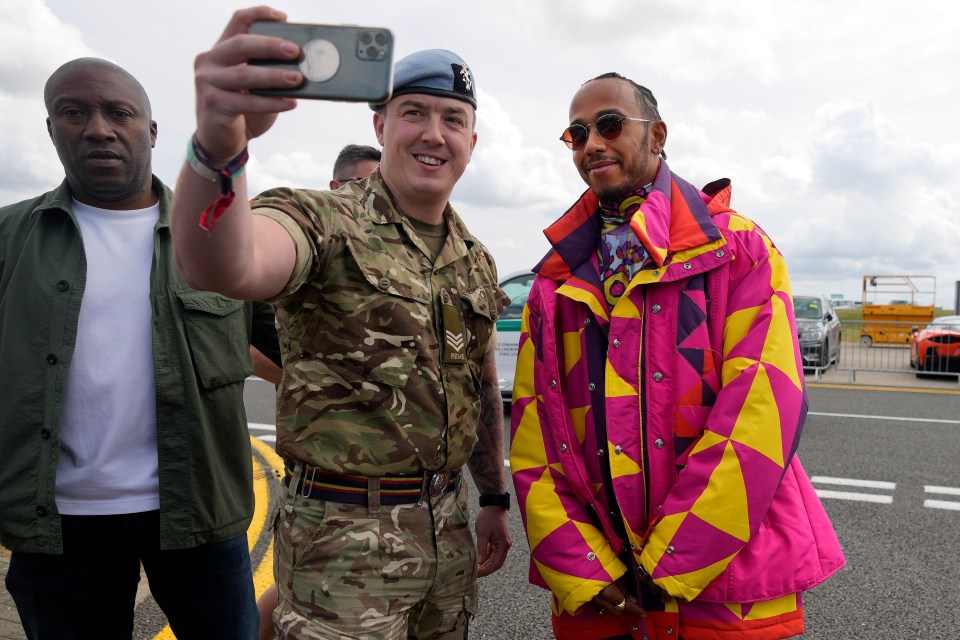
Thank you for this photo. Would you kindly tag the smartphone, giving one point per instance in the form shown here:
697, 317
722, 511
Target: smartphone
338, 62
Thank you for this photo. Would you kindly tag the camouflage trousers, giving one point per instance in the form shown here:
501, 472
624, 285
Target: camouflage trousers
394, 572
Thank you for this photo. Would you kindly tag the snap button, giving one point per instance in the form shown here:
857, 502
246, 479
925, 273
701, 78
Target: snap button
563, 448
591, 556
592, 387
51, 359
553, 384
45, 434
657, 377
656, 308
384, 284
63, 285
587, 321
719, 253
687, 266
670, 549
618, 449
658, 443
41, 510
600, 452
656, 273
616, 343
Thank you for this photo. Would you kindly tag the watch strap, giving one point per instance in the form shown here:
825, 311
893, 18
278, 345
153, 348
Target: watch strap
496, 500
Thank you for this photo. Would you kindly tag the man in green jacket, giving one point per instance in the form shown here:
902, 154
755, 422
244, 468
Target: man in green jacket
122, 424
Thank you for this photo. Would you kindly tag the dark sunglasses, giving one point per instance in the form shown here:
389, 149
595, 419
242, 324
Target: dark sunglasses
609, 126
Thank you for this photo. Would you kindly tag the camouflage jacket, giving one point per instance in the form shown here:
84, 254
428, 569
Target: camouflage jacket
383, 348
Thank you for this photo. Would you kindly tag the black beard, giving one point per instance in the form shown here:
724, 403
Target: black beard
614, 194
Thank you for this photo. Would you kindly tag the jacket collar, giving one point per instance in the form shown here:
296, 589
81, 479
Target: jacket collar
674, 219
61, 199
381, 208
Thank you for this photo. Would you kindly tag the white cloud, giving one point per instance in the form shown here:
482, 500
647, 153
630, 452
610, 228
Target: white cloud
504, 171
33, 42
294, 169
835, 122
877, 203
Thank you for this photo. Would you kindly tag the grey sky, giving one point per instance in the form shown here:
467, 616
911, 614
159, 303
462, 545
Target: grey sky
835, 120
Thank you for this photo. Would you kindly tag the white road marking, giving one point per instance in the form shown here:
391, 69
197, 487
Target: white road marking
949, 505
950, 491
262, 426
866, 417
851, 482
852, 495
942, 504
860, 497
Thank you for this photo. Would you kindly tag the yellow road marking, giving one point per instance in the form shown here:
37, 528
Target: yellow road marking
263, 574
867, 387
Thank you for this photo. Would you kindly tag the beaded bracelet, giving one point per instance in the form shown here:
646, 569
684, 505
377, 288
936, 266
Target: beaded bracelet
199, 160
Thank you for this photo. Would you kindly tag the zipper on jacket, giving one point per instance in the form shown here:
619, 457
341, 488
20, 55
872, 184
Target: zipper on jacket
642, 402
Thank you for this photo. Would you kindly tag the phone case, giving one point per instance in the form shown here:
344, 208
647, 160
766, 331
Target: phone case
340, 62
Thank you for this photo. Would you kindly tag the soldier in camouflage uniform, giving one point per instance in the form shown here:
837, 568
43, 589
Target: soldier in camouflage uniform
385, 308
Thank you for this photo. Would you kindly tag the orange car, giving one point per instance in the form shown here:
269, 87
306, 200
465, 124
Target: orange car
936, 348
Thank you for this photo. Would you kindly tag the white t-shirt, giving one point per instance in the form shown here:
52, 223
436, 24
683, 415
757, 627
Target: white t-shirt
108, 422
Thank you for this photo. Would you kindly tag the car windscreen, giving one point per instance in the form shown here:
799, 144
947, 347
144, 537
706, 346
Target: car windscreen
517, 289
807, 308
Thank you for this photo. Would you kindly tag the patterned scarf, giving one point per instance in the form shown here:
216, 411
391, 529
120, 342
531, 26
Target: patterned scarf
620, 252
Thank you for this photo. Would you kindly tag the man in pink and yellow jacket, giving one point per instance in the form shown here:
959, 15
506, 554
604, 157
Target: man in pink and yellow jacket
659, 401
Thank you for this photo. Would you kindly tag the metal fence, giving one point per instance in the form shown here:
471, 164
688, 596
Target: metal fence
937, 356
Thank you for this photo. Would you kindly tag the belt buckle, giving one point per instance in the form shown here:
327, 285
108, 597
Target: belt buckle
439, 482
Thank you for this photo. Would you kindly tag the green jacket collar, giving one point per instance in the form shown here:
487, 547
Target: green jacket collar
61, 199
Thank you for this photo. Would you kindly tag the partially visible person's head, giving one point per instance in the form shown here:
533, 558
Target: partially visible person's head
355, 162
427, 128
99, 119
616, 135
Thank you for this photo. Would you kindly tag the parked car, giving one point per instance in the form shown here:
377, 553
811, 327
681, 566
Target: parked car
818, 329
936, 347
517, 287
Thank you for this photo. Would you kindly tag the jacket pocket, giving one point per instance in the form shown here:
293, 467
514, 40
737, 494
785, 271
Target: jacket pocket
479, 321
217, 333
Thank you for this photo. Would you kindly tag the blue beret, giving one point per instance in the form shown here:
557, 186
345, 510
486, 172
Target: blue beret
435, 72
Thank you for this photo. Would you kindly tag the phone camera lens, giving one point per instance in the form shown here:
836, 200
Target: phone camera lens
372, 52
381, 38
365, 37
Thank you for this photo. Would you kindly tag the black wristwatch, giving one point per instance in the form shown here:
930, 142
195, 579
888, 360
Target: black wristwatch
496, 500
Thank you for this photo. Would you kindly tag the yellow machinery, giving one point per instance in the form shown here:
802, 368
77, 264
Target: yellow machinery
892, 305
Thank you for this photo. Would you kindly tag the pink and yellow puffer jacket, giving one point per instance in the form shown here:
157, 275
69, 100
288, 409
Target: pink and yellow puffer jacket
702, 400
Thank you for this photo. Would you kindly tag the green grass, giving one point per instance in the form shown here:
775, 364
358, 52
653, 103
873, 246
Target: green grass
853, 314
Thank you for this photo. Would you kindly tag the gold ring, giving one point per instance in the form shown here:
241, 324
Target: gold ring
621, 605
